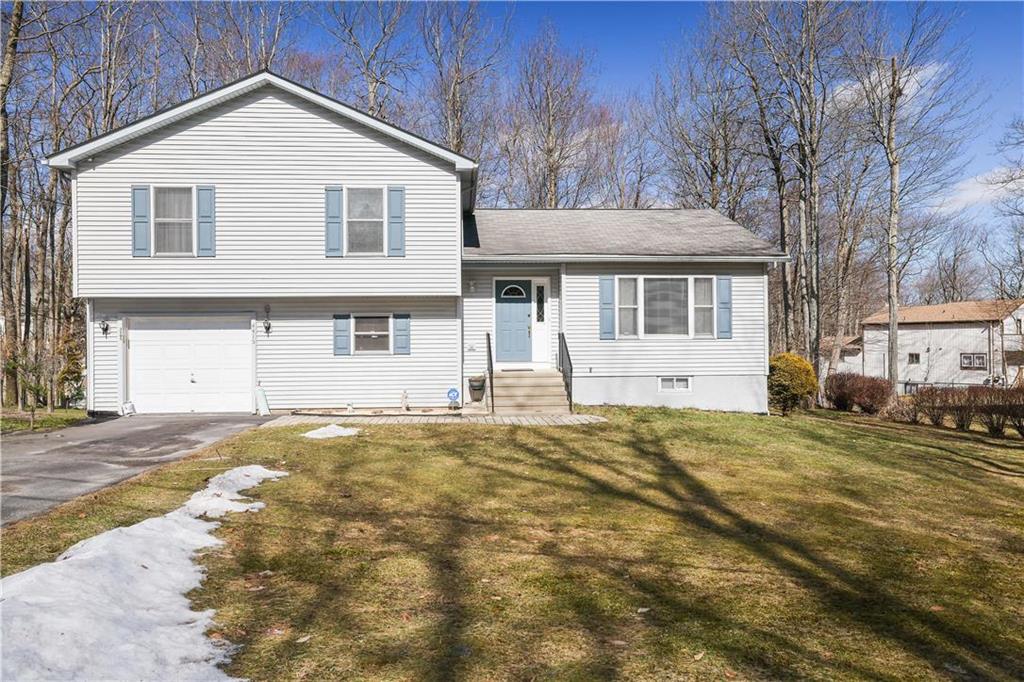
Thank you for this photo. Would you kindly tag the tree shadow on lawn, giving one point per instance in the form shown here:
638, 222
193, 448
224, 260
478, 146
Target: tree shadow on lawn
859, 598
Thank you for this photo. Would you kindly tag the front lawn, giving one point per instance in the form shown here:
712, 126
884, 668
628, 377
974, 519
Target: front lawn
11, 420
662, 545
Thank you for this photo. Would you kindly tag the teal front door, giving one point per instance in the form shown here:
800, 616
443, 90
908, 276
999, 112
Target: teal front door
512, 320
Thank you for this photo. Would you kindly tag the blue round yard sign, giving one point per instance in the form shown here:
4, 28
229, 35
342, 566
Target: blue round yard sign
453, 394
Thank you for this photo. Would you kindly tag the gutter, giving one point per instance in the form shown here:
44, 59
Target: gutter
600, 258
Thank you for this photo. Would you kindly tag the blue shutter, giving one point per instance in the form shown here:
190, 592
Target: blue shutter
205, 221
396, 221
402, 334
724, 306
342, 337
140, 220
332, 221
606, 290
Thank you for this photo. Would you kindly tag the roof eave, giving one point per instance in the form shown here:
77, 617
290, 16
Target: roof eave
597, 258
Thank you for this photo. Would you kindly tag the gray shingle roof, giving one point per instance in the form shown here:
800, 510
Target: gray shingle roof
494, 233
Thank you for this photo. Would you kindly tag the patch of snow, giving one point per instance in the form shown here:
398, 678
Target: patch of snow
331, 431
113, 606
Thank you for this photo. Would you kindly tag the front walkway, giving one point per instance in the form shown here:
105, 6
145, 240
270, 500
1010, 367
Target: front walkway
497, 420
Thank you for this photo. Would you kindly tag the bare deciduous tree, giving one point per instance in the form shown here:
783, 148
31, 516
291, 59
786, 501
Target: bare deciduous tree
914, 84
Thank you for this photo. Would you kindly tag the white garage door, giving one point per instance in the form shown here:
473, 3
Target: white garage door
190, 364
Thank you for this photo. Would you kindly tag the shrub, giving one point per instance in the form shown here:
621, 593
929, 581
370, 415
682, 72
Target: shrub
993, 409
931, 402
1015, 409
901, 411
840, 390
872, 394
963, 405
791, 380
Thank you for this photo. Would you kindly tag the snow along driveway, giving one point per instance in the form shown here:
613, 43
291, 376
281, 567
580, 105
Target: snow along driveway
113, 607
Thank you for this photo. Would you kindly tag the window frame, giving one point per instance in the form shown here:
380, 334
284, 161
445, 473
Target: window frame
913, 358
970, 366
675, 384
345, 194
713, 334
636, 306
153, 220
391, 334
640, 313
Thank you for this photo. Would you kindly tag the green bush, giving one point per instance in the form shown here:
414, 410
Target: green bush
791, 380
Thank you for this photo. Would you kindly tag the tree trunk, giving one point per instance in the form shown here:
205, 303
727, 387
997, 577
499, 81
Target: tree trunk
892, 271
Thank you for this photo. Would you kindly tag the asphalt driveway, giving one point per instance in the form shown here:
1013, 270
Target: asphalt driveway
41, 470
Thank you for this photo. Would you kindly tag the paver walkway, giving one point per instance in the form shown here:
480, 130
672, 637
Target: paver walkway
497, 420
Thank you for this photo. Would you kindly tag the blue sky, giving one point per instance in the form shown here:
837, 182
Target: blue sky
628, 42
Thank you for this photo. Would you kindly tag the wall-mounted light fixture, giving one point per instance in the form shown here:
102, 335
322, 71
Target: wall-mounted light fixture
266, 319
104, 327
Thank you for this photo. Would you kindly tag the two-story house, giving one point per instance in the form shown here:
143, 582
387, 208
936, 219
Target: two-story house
265, 239
960, 343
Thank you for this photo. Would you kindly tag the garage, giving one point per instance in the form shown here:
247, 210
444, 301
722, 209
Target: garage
190, 363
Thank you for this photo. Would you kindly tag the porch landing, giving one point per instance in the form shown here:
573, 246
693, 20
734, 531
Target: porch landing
494, 420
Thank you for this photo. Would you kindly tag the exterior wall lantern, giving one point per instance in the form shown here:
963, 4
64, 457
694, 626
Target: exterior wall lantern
104, 327
266, 319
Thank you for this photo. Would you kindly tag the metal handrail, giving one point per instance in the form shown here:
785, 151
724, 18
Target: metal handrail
565, 366
490, 373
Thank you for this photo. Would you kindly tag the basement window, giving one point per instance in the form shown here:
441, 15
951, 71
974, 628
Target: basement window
914, 359
674, 384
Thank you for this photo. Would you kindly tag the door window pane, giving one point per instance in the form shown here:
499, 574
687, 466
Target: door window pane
665, 306
172, 220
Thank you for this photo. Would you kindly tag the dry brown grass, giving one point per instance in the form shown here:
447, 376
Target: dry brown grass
662, 545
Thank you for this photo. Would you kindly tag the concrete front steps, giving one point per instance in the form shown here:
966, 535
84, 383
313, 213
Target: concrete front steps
530, 392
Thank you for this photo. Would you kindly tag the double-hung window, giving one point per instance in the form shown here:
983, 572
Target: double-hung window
173, 221
371, 334
704, 306
629, 313
364, 221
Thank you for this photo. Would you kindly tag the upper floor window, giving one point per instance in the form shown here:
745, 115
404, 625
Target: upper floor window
173, 222
973, 361
364, 221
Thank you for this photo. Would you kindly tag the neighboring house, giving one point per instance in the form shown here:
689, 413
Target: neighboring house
263, 235
851, 355
970, 342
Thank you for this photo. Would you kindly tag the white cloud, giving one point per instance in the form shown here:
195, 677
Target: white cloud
974, 192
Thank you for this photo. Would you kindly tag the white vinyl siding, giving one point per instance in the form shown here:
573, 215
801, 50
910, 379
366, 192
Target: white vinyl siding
269, 154
744, 354
940, 346
478, 311
295, 362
